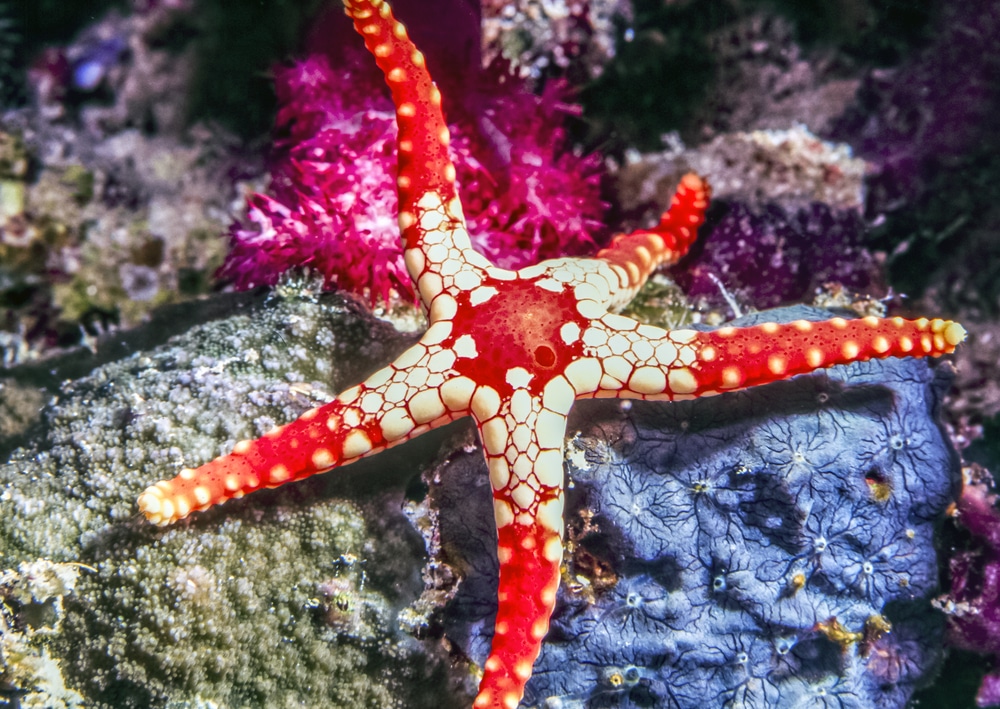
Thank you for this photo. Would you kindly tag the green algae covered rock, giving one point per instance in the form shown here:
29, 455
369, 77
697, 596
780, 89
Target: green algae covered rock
287, 597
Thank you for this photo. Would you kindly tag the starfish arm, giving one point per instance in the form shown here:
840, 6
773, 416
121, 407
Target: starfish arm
430, 214
394, 404
636, 255
642, 361
523, 442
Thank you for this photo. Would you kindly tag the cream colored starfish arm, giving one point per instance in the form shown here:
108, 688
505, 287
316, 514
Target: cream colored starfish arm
608, 281
443, 259
523, 438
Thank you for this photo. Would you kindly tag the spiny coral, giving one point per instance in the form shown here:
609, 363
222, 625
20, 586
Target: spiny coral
31, 615
526, 194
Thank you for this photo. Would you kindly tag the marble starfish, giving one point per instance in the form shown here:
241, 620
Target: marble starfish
514, 350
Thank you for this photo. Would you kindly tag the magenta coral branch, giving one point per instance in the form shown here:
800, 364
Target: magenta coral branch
525, 195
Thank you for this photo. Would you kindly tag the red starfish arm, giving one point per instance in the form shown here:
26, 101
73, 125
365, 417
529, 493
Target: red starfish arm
424, 164
523, 442
396, 403
635, 256
529, 579
642, 361
430, 215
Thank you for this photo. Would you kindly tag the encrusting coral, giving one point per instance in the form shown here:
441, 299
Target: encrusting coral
31, 616
544, 38
111, 203
290, 604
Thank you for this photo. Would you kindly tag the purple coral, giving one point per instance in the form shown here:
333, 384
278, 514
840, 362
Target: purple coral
333, 205
973, 604
773, 257
912, 122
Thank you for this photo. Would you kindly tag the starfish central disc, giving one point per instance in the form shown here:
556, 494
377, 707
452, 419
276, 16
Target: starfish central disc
522, 325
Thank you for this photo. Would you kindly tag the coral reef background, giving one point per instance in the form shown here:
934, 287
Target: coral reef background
853, 151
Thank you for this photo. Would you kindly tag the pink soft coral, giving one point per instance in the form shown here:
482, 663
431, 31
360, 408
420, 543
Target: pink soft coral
333, 207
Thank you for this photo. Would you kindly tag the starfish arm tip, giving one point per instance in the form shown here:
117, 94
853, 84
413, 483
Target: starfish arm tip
735, 358
641, 252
